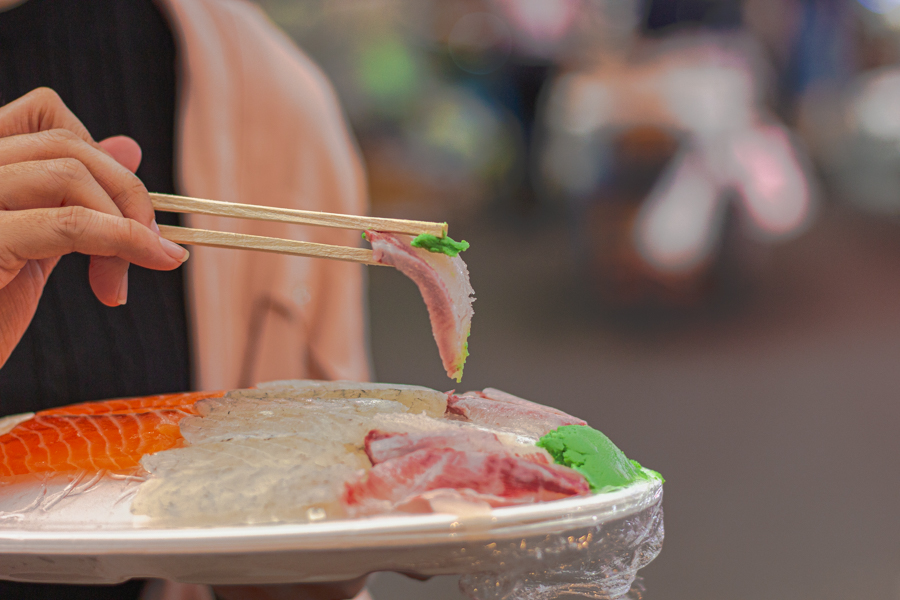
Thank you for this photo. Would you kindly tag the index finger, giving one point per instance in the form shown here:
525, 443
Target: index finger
39, 110
125, 189
42, 110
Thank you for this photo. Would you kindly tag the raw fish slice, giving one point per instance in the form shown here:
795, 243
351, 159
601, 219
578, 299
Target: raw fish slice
422, 425
382, 446
205, 460
8, 423
243, 495
61, 443
184, 401
444, 284
501, 396
255, 400
498, 478
499, 409
262, 414
255, 476
417, 398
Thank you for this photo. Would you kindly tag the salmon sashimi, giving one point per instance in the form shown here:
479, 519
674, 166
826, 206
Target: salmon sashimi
111, 435
510, 413
184, 401
382, 446
498, 479
444, 284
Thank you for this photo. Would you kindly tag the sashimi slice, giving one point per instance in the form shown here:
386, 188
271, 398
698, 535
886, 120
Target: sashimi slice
511, 413
420, 425
444, 284
184, 401
63, 443
93, 436
382, 446
267, 414
244, 494
501, 396
205, 460
261, 455
8, 423
250, 480
499, 479
416, 398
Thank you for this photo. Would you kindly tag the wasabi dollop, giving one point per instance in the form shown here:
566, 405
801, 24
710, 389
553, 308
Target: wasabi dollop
593, 455
445, 244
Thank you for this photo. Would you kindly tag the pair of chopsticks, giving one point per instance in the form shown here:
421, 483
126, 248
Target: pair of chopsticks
222, 239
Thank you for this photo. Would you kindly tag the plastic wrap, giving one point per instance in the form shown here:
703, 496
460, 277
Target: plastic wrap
600, 561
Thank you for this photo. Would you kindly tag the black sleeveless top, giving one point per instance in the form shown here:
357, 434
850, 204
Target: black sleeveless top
113, 64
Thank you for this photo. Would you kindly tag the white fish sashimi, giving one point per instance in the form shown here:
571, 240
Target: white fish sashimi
419, 424
248, 480
265, 413
243, 494
254, 453
417, 398
444, 284
501, 396
260, 456
412, 432
382, 445
524, 418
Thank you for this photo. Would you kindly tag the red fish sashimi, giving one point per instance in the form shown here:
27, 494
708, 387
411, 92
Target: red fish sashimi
499, 409
444, 284
499, 479
382, 446
111, 435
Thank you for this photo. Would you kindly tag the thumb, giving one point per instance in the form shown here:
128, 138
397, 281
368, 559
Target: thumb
125, 150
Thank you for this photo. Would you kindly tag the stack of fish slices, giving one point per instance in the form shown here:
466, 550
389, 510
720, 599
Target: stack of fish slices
300, 450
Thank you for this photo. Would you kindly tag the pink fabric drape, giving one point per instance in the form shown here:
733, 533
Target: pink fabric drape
259, 123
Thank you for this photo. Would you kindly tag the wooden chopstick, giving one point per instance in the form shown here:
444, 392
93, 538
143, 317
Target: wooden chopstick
222, 239
183, 204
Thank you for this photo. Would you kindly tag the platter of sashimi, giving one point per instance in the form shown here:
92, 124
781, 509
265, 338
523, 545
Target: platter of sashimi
311, 480
305, 481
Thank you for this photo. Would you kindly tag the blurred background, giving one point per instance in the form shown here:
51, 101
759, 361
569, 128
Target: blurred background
685, 228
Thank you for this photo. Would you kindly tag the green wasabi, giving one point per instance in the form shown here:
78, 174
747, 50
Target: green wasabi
445, 244
593, 455
462, 359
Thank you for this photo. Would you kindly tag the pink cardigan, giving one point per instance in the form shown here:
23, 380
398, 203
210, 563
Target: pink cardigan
259, 123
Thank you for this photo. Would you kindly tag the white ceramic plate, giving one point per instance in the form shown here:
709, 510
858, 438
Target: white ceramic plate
83, 532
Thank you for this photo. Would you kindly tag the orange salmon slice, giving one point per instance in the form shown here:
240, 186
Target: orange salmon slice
184, 400
111, 435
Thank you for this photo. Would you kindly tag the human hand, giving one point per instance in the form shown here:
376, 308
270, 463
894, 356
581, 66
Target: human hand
62, 192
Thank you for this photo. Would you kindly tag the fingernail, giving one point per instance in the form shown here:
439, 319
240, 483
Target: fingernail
123, 289
174, 250
154, 227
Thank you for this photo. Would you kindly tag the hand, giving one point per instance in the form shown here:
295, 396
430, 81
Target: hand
62, 192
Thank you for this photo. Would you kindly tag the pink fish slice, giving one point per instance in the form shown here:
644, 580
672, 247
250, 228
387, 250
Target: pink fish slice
497, 478
444, 284
499, 409
382, 446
